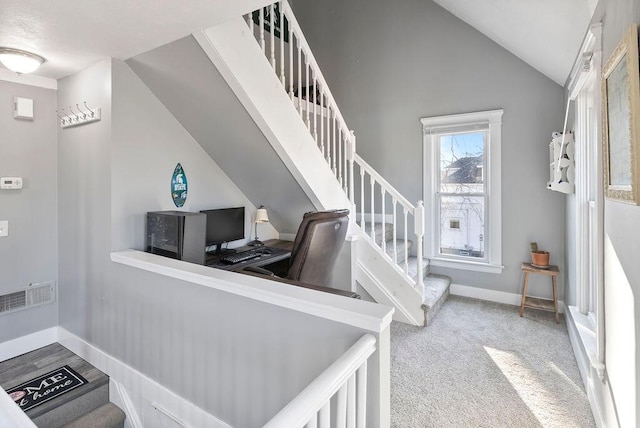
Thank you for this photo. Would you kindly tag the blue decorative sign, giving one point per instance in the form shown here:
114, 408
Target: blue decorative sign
179, 186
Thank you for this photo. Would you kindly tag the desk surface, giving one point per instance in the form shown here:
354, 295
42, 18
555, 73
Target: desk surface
281, 251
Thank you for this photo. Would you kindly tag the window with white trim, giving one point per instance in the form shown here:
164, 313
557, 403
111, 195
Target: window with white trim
462, 187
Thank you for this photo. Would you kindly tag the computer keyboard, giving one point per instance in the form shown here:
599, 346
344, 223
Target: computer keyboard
232, 259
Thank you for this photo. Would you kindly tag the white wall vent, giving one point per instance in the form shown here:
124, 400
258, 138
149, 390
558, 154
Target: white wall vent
33, 295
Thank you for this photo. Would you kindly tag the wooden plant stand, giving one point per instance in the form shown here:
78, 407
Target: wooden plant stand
550, 305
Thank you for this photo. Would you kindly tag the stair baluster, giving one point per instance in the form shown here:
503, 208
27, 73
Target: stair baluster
333, 142
395, 231
261, 21
299, 76
329, 137
273, 36
406, 244
352, 152
315, 110
322, 122
419, 231
384, 219
362, 223
282, 47
373, 220
340, 145
290, 62
306, 91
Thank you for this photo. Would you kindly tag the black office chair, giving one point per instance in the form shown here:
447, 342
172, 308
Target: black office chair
315, 250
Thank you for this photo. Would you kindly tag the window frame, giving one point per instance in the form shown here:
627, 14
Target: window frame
433, 127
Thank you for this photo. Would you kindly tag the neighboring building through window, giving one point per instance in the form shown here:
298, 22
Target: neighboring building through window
462, 189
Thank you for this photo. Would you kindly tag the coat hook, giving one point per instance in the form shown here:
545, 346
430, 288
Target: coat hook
84, 115
83, 112
74, 113
92, 112
68, 116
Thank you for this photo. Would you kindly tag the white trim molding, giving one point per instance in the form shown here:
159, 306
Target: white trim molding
490, 122
493, 295
22, 345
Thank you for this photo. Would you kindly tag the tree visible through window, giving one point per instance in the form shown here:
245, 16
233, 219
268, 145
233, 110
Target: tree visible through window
461, 194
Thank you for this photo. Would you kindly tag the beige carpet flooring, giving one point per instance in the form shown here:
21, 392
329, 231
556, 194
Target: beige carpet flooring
480, 365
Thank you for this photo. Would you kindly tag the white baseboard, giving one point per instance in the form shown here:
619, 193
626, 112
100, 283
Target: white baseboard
492, 295
22, 345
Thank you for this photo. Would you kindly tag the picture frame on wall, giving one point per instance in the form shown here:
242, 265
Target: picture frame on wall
621, 121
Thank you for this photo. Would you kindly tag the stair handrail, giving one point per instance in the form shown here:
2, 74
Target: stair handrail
345, 147
346, 377
384, 183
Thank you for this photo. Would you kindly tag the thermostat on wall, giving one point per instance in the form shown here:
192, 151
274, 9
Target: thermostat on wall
10, 183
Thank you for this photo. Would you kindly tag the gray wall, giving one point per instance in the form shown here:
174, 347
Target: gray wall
239, 359
29, 254
391, 63
621, 267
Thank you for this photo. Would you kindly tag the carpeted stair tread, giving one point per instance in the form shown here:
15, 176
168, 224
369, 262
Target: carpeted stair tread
106, 416
400, 249
66, 407
413, 267
436, 291
377, 229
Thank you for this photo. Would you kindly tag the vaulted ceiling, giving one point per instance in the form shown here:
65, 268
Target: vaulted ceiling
74, 34
545, 34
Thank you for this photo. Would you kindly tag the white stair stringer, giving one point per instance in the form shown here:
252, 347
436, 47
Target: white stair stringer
387, 284
233, 50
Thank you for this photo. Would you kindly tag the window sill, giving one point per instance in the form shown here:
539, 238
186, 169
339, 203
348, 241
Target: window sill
466, 265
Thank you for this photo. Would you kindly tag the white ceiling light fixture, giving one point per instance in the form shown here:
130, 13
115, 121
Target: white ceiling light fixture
20, 61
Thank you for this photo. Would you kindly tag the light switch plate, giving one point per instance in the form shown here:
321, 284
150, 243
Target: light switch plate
4, 228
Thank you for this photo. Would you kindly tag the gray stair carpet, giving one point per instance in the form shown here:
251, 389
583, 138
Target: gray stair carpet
65, 408
388, 238
436, 287
107, 415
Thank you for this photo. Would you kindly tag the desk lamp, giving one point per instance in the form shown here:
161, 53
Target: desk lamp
261, 217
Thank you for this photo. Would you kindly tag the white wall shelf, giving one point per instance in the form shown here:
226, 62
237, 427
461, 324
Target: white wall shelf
562, 176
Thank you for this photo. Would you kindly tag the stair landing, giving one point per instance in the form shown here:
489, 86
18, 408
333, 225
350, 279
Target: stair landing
436, 289
64, 408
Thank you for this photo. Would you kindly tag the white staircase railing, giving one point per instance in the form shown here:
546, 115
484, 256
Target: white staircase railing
346, 379
285, 47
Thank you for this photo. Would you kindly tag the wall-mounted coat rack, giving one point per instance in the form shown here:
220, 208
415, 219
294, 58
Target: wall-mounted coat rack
82, 116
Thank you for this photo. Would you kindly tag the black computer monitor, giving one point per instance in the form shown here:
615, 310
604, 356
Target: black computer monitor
224, 225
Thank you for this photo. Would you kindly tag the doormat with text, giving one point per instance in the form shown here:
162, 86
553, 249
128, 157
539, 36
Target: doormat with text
46, 387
